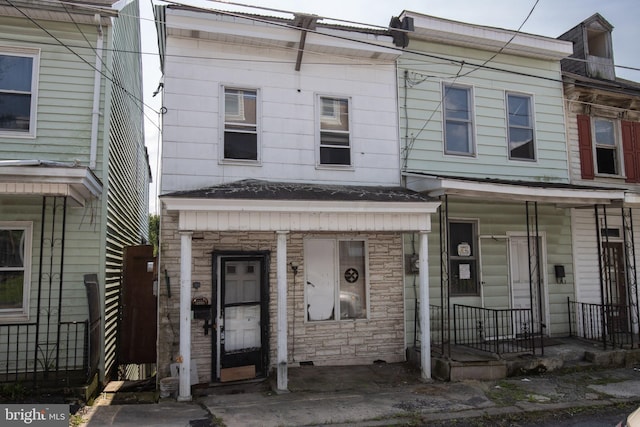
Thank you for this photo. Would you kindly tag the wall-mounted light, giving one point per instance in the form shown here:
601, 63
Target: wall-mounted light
294, 268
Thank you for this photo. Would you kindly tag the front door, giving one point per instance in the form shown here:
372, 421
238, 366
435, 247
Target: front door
616, 287
241, 325
526, 292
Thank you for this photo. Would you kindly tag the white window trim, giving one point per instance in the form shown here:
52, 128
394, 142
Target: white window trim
472, 105
35, 72
318, 115
617, 134
223, 122
336, 255
533, 125
11, 315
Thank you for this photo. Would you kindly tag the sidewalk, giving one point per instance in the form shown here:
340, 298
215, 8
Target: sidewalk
374, 395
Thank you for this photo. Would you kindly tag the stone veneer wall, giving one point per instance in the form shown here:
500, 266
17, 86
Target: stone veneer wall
380, 337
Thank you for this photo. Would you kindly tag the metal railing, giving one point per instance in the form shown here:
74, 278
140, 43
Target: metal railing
436, 320
27, 354
498, 331
608, 324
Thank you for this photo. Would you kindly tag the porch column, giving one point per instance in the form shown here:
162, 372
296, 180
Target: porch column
184, 393
425, 324
281, 258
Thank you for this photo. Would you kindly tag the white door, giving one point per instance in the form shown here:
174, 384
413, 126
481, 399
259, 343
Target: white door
524, 284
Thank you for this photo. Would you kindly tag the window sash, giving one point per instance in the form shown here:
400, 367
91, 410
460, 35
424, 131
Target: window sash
15, 262
458, 118
335, 134
17, 92
240, 136
606, 143
520, 131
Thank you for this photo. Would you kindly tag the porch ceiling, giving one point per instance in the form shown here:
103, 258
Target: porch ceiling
516, 191
35, 177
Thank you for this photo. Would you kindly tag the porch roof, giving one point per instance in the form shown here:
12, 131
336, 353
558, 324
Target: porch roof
47, 178
265, 205
517, 191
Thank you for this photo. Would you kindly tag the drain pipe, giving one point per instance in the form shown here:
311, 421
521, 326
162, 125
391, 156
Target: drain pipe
97, 80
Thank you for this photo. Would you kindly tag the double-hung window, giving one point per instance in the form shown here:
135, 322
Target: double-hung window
607, 146
521, 130
463, 258
18, 90
458, 120
335, 138
335, 279
15, 263
240, 124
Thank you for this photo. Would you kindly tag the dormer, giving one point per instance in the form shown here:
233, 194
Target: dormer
592, 49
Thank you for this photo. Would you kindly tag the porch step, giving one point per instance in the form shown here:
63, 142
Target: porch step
451, 370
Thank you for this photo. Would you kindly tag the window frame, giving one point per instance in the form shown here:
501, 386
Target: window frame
20, 314
34, 54
319, 132
470, 121
617, 147
474, 257
224, 122
531, 127
337, 314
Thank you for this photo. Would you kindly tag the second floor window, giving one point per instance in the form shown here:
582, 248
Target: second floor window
240, 124
520, 133
335, 138
606, 146
458, 120
17, 93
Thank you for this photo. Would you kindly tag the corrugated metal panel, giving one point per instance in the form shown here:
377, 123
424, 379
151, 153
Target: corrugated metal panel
127, 201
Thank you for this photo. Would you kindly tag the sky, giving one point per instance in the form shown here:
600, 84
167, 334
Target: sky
549, 18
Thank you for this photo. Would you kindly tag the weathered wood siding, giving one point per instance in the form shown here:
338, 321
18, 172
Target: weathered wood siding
421, 116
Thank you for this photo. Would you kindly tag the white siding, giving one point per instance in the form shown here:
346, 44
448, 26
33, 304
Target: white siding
287, 114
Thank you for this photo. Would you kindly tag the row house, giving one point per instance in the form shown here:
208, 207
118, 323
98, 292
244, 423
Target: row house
483, 129
282, 206
334, 195
74, 179
603, 128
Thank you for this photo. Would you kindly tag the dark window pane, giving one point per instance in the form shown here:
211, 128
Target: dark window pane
241, 146
15, 73
11, 289
460, 232
463, 277
11, 248
15, 112
606, 159
521, 143
334, 156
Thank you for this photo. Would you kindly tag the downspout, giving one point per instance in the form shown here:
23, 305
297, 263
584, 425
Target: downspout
97, 80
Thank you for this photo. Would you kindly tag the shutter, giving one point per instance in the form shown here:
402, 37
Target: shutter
629, 149
585, 146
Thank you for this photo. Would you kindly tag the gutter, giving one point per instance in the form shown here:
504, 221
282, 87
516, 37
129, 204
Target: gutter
95, 119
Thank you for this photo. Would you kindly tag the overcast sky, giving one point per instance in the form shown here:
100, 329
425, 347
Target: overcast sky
549, 18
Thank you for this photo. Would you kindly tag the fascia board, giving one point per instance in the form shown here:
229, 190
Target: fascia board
300, 206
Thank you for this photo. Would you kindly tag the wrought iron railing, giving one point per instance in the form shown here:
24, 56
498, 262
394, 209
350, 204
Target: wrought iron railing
497, 331
436, 321
29, 354
608, 324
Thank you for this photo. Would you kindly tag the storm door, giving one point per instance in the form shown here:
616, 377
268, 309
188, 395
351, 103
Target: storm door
616, 287
240, 351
